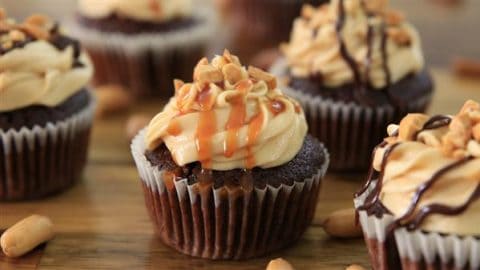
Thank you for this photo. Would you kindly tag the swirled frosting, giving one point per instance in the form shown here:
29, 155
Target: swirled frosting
353, 41
437, 160
229, 117
142, 10
38, 65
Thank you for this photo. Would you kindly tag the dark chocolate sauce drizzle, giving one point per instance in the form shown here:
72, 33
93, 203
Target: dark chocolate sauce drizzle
410, 220
362, 84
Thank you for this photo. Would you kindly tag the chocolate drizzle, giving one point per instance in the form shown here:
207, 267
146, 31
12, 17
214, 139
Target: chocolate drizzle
412, 219
362, 84
343, 47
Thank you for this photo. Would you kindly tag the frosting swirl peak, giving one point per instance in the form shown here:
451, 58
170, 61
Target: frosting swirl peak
229, 117
353, 41
38, 64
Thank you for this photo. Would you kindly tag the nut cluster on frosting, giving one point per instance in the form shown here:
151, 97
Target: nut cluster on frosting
39, 65
223, 73
35, 27
229, 117
353, 41
459, 139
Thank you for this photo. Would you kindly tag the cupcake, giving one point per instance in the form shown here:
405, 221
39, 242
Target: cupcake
45, 108
257, 24
227, 167
355, 66
143, 44
420, 207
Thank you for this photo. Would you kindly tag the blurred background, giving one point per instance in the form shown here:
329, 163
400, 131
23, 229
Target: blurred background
449, 28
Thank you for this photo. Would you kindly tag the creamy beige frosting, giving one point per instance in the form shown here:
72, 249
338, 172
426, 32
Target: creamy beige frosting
38, 73
314, 48
239, 115
417, 158
143, 10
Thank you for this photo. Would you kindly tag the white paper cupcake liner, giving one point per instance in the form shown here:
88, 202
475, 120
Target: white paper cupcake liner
36, 162
226, 223
348, 130
418, 249
147, 63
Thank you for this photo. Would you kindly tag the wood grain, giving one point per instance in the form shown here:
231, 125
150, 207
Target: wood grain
102, 222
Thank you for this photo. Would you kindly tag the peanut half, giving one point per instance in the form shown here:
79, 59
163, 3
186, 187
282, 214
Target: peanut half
355, 267
279, 264
135, 123
27, 234
342, 224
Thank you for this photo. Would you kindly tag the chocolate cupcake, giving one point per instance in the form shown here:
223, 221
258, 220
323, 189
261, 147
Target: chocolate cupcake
420, 207
227, 168
143, 44
45, 110
355, 66
257, 24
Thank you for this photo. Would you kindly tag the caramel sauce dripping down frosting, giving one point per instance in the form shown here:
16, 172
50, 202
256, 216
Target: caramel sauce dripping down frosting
427, 173
229, 117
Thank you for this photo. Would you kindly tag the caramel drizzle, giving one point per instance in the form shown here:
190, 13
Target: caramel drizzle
206, 128
236, 120
174, 127
254, 129
408, 220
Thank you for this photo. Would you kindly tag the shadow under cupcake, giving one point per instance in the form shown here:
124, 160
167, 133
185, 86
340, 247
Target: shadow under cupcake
227, 168
355, 66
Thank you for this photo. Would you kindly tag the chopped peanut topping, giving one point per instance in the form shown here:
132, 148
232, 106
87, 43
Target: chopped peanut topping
460, 139
225, 72
410, 125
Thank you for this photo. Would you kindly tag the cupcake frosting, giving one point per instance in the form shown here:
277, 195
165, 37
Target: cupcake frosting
38, 64
142, 10
229, 117
353, 41
430, 172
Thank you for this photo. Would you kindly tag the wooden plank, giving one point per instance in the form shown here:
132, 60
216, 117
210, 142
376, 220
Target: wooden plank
103, 224
144, 251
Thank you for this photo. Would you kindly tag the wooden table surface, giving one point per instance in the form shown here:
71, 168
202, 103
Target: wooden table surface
102, 222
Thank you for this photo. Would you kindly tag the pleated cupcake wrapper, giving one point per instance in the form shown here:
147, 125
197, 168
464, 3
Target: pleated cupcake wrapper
226, 223
418, 249
147, 63
46, 159
349, 131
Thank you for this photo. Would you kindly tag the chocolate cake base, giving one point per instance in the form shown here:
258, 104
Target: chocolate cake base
352, 127
41, 115
306, 163
115, 23
225, 218
49, 158
144, 57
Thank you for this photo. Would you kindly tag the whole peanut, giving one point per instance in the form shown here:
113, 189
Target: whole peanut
342, 224
355, 267
135, 123
279, 264
27, 234
111, 99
